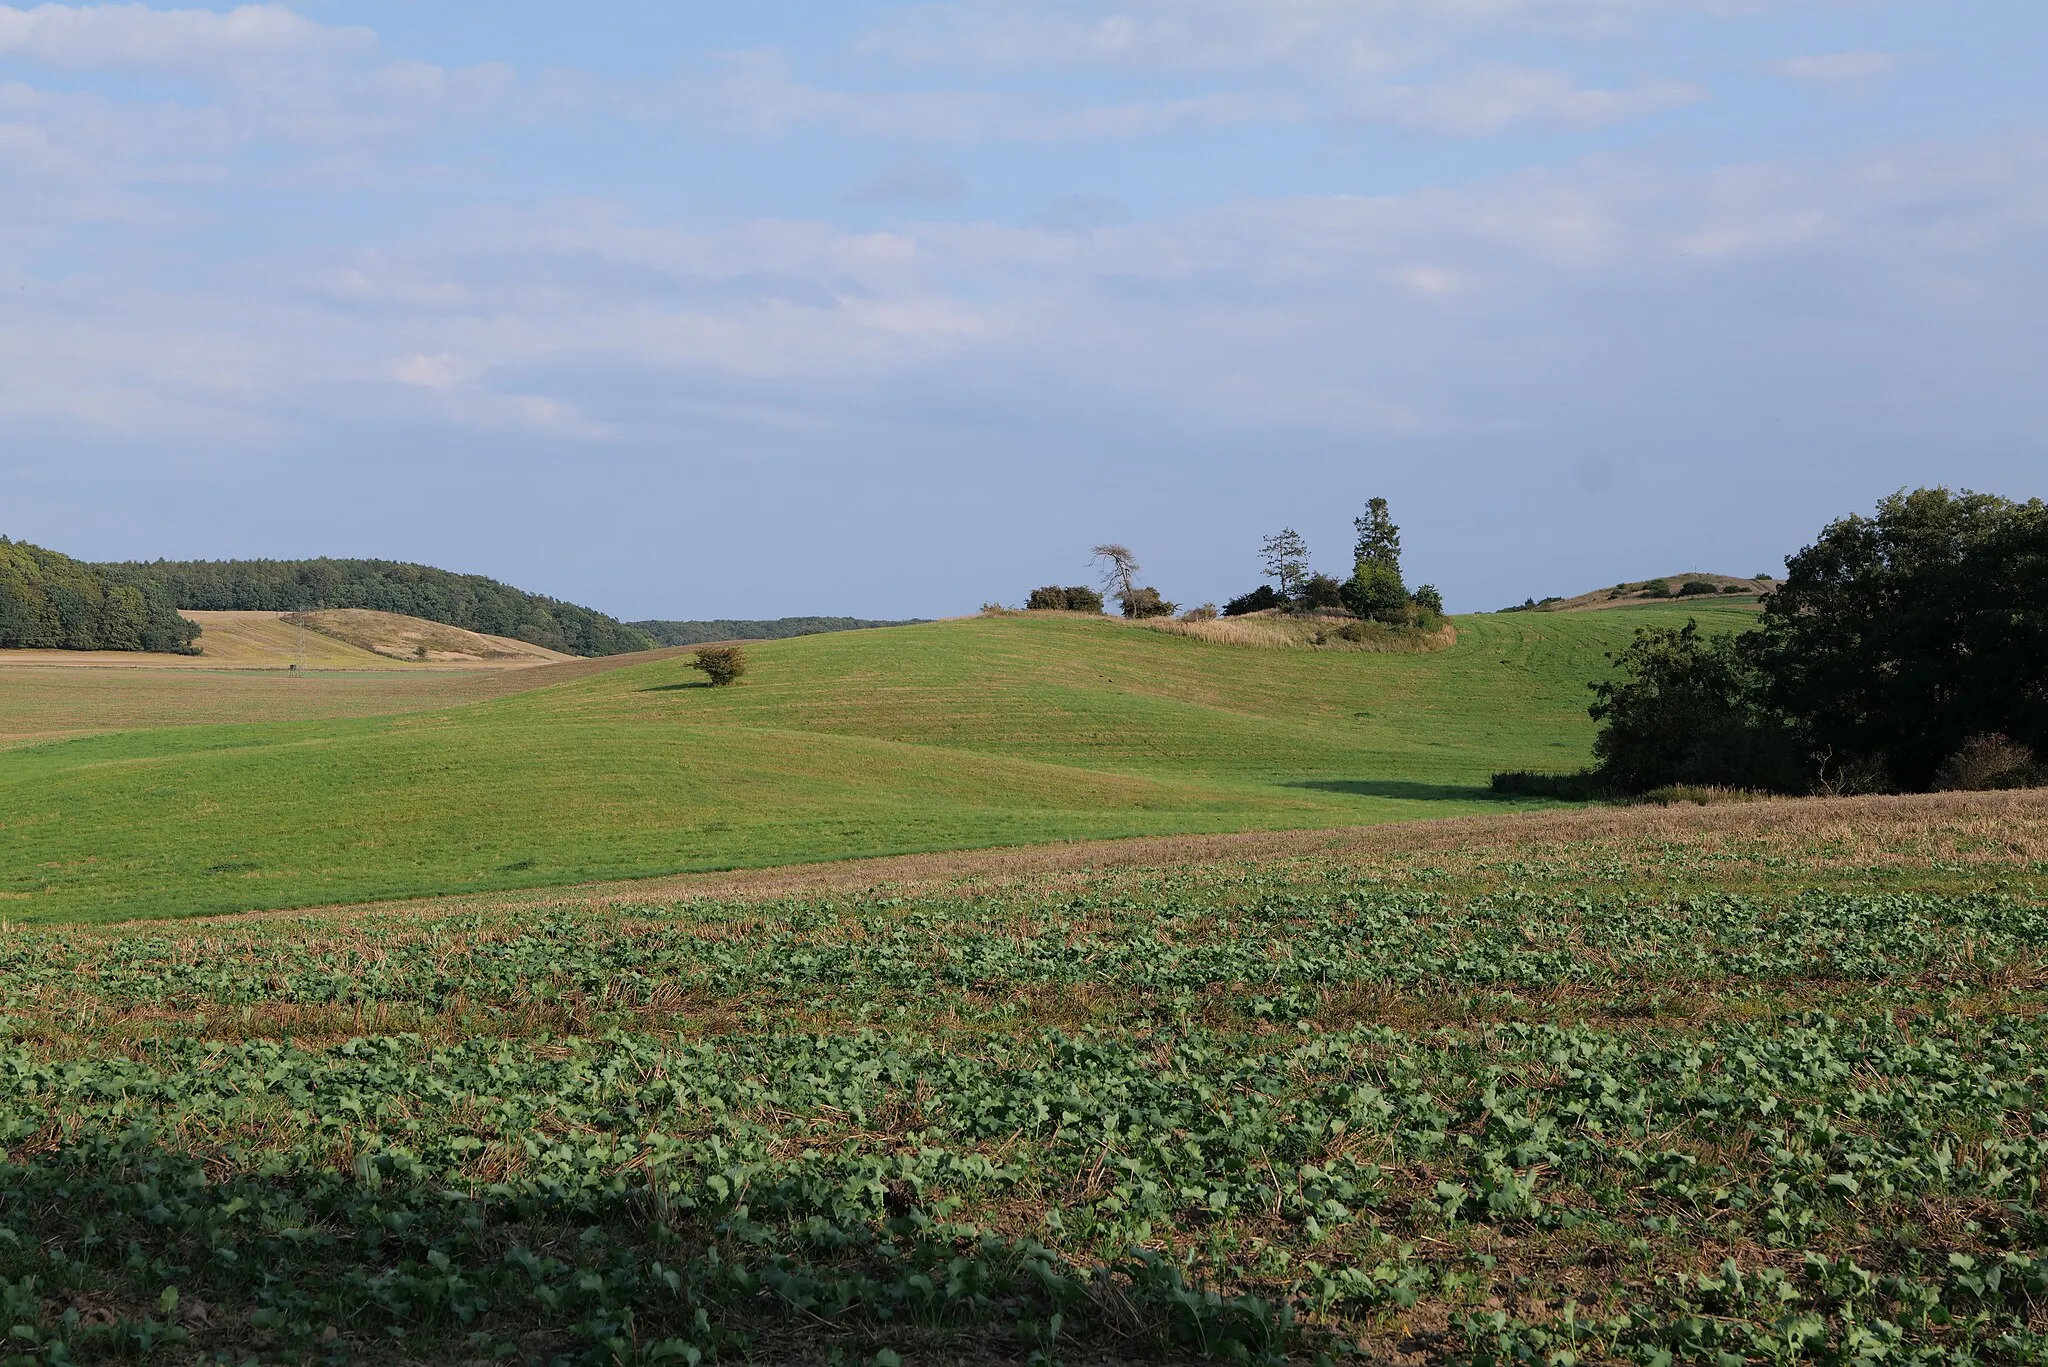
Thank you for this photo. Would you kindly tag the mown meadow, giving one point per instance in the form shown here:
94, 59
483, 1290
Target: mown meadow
978, 732
1755, 1084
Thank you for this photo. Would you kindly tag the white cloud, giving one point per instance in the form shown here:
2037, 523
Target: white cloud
1839, 68
756, 94
1490, 99
1347, 35
194, 41
1439, 311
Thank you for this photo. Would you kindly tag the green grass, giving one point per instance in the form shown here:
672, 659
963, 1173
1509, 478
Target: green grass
952, 735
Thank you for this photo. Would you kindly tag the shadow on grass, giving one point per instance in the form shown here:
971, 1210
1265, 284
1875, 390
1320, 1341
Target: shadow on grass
677, 687
1400, 788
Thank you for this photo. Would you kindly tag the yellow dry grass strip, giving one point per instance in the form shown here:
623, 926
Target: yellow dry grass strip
1263, 632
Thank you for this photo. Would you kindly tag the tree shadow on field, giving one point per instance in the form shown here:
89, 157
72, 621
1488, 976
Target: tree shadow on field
677, 687
1406, 789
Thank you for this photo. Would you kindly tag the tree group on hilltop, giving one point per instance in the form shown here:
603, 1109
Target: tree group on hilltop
470, 601
1375, 590
50, 601
1907, 650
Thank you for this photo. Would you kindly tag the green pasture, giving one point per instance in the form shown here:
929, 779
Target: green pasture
957, 734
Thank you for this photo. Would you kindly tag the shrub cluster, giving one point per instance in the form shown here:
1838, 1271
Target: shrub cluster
1146, 602
1053, 598
1264, 598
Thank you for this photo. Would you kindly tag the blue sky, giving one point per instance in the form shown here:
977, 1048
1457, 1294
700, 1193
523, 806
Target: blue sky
692, 310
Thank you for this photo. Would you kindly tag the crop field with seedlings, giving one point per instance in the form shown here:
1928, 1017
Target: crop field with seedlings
1760, 1084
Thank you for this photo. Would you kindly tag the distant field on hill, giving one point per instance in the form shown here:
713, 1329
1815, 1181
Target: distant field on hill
1668, 589
470, 601
1741, 1085
418, 641
339, 638
764, 629
986, 731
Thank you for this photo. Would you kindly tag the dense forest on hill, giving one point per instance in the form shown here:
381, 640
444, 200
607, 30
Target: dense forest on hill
460, 600
50, 601
774, 629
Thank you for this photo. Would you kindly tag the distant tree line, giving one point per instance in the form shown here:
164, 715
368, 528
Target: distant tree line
772, 629
470, 601
49, 601
1905, 651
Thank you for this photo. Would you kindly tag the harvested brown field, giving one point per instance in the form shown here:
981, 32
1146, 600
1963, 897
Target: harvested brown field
42, 700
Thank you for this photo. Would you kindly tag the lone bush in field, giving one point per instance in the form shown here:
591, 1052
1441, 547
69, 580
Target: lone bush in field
1146, 602
1321, 591
1261, 599
723, 665
1990, 761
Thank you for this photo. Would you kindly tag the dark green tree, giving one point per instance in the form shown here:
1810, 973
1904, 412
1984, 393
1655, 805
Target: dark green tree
1379, 540
1375, 589
1896, 638
1690, 709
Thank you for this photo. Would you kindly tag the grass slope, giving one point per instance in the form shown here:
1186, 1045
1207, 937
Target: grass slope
952, 735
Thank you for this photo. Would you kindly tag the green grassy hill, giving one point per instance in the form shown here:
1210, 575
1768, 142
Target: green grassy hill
955, 734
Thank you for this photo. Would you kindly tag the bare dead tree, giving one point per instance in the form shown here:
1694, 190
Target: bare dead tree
1119, 569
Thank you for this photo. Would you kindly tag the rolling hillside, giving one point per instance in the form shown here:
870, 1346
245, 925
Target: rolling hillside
957, 734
